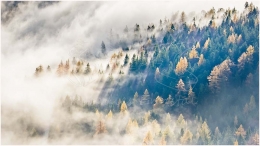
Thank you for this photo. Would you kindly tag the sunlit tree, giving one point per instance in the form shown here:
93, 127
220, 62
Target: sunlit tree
193, 53
232, 38
197, 45
158, 102
181, 66
148, 139
109, 115
123, 108
201, 59
235, 142
186, 137
240, 132
206, 44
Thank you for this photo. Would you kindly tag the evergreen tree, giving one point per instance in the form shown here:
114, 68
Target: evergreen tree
103, 48
88, 69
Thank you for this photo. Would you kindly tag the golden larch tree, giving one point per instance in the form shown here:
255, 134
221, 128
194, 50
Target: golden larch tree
236, 142
201, 59
231, 38
240, 132
158, 102
148, 139
129, 129
109, 115
186, 137
123, 108
181, 66
250, 50
197, 45
206, 44
193, 53
255, 139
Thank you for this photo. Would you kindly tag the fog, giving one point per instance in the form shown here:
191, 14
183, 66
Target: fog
37, 33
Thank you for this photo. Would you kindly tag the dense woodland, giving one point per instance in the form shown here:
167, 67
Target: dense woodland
184, 84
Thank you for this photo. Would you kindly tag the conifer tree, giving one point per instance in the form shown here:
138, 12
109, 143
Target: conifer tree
205, 133
201, 59
156, 128
148, 139
206, 44
136, 100
217, 136
169, 101
187, 137
88, 69
101, 128
158, 102
103, 48
109, 115
252, 103
157, 73
240, 132
191, 96
181, 66
162, 141
123, 108
193, 53
180, 86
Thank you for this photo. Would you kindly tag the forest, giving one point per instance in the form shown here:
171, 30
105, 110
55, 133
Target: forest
188, 81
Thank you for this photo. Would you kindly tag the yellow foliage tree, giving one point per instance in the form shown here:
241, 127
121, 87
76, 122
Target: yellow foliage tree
193, 53
198, 45
236, 142
187, 136
123, 108
231, 38
181, 66
206, 44
158, 102
201, 59
148, 139
240, 132
250, 50
109, 115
